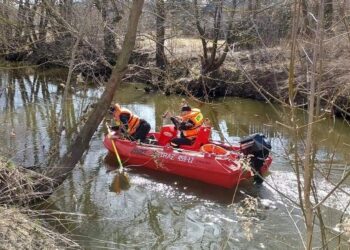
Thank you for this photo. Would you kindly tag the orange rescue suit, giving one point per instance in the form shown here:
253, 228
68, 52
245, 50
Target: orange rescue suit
133, 122
196, 117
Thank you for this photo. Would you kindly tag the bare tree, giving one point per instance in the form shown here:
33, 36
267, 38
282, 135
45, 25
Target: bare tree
211, 59
67, 87
111, 15
81, 142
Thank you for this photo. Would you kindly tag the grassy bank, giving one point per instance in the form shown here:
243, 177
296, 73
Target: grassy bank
20, 226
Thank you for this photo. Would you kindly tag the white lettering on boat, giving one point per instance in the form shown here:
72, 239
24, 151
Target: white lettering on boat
185, 158
139, 151
176, 157
168, 156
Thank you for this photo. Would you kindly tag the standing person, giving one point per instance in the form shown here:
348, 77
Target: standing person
189, 123
129, 123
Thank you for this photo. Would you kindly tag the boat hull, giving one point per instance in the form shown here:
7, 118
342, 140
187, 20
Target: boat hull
221, 170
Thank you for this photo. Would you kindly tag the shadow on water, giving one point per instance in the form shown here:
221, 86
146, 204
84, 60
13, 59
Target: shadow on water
185, 185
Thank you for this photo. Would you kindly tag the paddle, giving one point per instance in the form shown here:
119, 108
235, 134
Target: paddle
121, 180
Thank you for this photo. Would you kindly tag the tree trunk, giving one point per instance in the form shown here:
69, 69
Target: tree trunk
309, 147
30, 23
250, 6
43, 23
201, 31
211, 63
328, 13
108, 36
160, 39
212, 60
5, 29
304, 10
20, 18
67, 86
111, 16
291, 71
66, 10
60, 171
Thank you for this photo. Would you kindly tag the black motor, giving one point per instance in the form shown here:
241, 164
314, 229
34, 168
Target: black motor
259, 147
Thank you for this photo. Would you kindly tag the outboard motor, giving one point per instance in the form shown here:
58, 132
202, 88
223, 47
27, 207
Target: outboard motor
259, 147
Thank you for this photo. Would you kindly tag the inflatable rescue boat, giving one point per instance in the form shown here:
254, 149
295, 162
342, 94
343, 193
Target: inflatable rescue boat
205, 160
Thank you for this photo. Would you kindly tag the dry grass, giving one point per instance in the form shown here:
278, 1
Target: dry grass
20, 228
176, 47
21, 186
20, 231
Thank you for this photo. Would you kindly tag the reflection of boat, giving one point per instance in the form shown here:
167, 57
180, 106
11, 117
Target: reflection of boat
205, 160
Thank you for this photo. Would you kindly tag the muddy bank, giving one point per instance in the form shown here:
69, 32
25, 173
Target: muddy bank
88, 60
256, 74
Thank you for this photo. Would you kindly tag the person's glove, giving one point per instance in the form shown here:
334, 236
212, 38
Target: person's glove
167, 114
115, 128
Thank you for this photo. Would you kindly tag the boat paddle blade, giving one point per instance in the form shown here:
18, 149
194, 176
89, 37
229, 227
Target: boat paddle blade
120, 182
115, 186
124, 181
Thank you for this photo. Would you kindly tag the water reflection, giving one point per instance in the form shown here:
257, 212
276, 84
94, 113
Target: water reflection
159, 210
31, 105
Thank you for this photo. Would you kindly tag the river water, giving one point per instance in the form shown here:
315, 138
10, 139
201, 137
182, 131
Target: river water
159, 211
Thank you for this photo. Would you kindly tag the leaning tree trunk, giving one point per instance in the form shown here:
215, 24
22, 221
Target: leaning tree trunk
60, 171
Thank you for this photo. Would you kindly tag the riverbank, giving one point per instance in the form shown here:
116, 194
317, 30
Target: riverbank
23, 229
260, 74
20, 226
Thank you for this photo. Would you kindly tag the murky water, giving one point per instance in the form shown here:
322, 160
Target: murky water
159, 211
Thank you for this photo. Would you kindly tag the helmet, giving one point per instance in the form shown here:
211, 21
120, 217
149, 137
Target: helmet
185, 108
112, 109
117, 106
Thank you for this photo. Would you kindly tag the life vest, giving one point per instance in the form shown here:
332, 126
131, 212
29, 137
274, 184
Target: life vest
197, 118
133, 122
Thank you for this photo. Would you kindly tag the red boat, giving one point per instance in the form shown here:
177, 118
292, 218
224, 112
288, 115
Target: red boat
205, 160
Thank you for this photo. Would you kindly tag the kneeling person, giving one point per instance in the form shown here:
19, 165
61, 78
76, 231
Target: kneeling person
130, 124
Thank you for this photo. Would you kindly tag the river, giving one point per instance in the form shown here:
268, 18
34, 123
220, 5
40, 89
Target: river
159, 211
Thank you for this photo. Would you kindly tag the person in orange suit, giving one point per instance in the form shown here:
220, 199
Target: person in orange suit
130, 124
